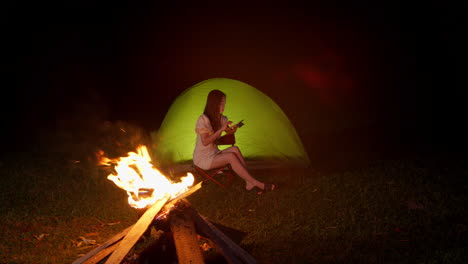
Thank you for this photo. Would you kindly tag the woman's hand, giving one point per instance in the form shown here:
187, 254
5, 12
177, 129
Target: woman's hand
225, 126
208, 139
231, 130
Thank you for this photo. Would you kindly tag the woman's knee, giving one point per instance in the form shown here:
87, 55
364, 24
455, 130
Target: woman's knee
232, 157
236, 149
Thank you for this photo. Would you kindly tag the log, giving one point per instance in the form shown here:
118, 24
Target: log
231, 251
185, 239
190, 191
122, 234
102, 254
135, 233
206, 231
236, 249
172, 202
103, 246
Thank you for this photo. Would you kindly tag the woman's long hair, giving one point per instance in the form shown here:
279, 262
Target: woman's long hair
212, 108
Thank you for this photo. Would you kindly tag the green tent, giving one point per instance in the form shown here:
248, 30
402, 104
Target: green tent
268, 137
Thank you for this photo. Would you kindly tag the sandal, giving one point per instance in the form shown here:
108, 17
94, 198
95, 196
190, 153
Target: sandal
268, 188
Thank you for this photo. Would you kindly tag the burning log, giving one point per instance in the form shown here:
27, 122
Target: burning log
108, 243
231, 251
102, 254
185, 239
148, 188
179, 214
97, 254
135, 233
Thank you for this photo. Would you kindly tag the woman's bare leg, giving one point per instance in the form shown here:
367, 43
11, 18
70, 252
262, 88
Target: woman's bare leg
231, 158
236, 150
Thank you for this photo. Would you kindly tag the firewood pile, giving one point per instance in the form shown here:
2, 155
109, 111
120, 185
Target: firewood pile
182, 226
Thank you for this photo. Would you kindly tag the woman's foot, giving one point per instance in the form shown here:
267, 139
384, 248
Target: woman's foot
267, 187
261, 188
249, 186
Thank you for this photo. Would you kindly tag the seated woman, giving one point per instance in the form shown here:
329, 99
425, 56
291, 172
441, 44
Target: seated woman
207, 156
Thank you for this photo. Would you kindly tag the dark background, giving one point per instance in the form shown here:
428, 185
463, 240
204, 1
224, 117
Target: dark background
354, 77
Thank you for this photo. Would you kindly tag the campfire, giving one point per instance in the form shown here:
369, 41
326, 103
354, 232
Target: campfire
163, 203
144, 184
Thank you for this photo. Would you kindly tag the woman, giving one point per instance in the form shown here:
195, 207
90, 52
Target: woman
207, 156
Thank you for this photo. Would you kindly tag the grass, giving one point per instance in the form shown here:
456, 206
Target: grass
389, 211
361, 216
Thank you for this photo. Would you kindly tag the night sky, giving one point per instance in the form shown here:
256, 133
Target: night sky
381, 77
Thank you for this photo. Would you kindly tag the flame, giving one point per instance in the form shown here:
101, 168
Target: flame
144, 184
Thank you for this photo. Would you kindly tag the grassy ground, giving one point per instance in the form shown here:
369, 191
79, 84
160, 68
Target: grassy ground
391, 211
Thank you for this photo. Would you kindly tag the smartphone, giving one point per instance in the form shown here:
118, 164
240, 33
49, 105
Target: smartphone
239, 124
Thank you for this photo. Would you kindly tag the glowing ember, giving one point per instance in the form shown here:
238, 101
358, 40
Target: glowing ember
144, 184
